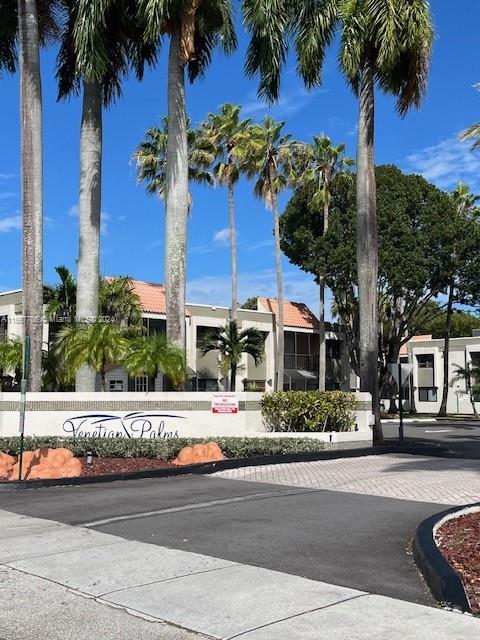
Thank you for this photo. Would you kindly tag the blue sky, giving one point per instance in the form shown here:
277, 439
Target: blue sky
132, 239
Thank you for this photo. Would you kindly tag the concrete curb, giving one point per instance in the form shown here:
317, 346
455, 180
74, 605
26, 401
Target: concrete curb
444, 583
232, 463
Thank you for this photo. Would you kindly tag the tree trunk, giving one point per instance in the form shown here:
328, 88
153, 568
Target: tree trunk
278, 267
233, 377
233, 249
367, 245
32, 187
177, 195
322, 354
446, 354
103, 377
89, 218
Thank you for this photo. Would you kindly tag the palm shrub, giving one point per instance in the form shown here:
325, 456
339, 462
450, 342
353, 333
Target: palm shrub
151, 355
11, 359
309, 411
231, 343
470, 375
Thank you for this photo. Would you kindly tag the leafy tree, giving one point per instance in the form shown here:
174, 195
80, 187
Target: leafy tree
61, 299
226, 132
470, 375
416, 241
94, 345
195, 28
99, 42
382, 43
118, 301
464, 265
149, 355
251, 303
462, 323
151, 159
323, 161
231, 342
267, 156
11, 359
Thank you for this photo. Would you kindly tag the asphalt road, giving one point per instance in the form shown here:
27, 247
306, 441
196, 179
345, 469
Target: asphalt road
347, 539
462, 437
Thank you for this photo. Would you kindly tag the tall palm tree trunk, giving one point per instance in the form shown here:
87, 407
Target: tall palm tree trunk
233, 377
446, 350
89, 217
177, 194
278, 386
322, 353
32, 187
367, 245
233, 249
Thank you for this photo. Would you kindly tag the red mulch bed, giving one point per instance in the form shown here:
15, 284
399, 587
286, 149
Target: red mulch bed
103, 466
459, 541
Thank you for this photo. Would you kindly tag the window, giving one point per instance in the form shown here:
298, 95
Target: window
427, 394
141, 384
115, 385
201, 333
425, 360
156, 325
207, 384
333, 349
289, 342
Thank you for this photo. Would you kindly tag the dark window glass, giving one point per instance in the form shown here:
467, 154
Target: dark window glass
206, 384
427, 394
3, 328
333, 349
302, 343
289, 342
425, 360
156, 325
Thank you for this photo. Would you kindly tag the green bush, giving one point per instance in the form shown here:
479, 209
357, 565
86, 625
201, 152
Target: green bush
309, 411
162, 449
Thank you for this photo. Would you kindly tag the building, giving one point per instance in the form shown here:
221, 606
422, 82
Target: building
301, 344
425, 386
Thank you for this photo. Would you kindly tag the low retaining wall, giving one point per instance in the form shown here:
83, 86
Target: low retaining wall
155, 415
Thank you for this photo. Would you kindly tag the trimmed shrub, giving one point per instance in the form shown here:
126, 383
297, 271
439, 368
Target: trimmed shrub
309, 411
162, 449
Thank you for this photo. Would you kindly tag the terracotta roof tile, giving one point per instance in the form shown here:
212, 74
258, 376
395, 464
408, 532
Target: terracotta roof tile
296, 314
404, 348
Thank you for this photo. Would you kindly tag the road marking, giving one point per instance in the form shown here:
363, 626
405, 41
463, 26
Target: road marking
199, 505
438, 431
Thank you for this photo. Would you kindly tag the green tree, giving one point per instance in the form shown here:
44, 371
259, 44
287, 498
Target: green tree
99, 41
251, 303
151, 355
470, 375
61, 299
416, 241
323, 161
94, 345
462, 324
195, 29
226, 132
464, 264
382, 43
11, 360
267, 156
151, 160
118, 301
231, 342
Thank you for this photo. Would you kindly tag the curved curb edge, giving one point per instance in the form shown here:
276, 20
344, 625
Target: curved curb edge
213, 467
444, 583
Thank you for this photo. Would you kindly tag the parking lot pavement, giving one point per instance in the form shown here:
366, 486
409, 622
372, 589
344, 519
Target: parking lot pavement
406, 477
178, 595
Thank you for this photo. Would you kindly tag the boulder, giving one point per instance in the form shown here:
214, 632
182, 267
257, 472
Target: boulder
46, 463
199, 453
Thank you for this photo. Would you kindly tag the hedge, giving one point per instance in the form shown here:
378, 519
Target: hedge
162, 449
309, 411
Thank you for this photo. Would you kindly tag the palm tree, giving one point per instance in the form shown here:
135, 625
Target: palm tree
61, 299
267, 156
151, 355
470, 374
118, 302
473, 132
465, 202
323, 161
11, 359
225, 131
99, 42
381, 42
34, 22
95, 345
151, 159
230, 343
195, 28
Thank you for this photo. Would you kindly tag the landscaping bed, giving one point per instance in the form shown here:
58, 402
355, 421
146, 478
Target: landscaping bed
459, 542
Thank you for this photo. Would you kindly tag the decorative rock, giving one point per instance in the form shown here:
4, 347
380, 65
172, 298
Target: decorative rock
6, 464
210, 452
45, 463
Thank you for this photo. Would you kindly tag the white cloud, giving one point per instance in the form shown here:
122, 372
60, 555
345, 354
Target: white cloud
6, 176
260, 245
290, 102
216, 289
10, 223
222, 237
447, 163
73, 211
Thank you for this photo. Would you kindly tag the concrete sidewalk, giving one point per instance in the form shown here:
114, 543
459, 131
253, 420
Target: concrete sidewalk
45, 566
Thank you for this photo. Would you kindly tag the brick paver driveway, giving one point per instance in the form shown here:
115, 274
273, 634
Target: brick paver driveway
403, 476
